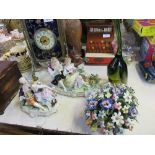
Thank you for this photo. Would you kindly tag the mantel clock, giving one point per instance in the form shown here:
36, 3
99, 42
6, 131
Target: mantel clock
45, 38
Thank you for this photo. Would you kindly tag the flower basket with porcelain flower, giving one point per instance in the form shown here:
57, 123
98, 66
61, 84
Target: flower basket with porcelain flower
111, 109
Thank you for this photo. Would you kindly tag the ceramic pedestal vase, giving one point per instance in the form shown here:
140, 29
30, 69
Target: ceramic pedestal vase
117, 68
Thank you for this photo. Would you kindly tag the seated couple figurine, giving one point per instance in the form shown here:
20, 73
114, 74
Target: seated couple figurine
65, 76
36, 97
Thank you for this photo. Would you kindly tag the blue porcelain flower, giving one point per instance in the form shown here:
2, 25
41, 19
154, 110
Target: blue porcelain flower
133, 112
106, 103
92, 103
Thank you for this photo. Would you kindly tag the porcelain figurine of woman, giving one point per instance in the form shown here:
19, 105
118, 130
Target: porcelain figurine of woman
69, 67
73, 80
26, 94
44, 94
55, 69
79, 82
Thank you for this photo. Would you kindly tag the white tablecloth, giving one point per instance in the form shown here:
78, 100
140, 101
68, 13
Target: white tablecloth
70, 115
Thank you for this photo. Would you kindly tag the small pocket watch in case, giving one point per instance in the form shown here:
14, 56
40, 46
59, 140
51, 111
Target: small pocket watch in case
45, 38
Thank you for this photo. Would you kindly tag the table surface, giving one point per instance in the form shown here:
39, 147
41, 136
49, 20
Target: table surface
70, 116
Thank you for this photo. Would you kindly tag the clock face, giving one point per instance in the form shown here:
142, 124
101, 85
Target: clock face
45, 39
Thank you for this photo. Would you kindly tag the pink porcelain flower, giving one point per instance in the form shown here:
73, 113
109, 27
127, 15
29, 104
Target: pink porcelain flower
117, 105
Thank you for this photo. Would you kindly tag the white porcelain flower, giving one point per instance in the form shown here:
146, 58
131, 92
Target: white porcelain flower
100, 95
128, 122
101, 114
107, 87
116, 97
127, 97
125, 109
88, 114
117, 118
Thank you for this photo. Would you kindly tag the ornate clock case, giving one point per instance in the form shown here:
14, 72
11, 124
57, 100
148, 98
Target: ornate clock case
45, 38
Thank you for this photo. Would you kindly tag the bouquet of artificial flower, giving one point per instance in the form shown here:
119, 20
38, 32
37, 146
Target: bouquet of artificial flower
111, 109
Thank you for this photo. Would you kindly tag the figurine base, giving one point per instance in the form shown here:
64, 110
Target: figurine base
35, 112
79, 92
70, 93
